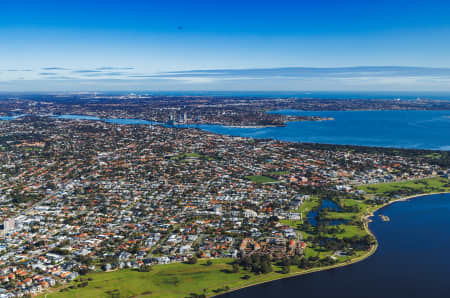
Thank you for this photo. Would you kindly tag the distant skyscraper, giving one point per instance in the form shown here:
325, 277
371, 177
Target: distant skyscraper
171, 119
8, 226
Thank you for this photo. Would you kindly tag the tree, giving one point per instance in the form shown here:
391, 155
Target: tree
145, 268
266, 267
192, 260
295, 260
286, 262
235, 268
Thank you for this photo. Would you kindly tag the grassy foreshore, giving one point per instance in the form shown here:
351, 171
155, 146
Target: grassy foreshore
182, 280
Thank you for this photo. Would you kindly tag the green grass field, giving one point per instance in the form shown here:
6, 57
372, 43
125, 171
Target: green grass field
261, 179
412, 187
434, 155
309, 205
279, 173
173, 280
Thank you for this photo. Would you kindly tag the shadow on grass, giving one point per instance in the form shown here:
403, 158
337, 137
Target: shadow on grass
226, 271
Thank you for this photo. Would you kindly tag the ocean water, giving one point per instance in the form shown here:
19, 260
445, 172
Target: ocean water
411, 260
401, 129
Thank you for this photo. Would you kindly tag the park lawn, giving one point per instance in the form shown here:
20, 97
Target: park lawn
350, 231
279, 173
173, 280
434, 155
310, 204
341, 215
311, 252
315, 252
290, 222
322, 253
430, 185
261, 179
351, 202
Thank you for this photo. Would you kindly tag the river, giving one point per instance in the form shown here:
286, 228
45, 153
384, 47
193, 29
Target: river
400, 129
411, 259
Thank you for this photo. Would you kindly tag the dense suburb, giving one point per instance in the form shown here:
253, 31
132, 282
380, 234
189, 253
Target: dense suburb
176, 280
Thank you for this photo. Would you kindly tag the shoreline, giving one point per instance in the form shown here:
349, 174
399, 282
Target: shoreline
285, 123
371, 251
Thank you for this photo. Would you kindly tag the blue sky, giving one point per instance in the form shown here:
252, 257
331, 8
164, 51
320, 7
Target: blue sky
224, 45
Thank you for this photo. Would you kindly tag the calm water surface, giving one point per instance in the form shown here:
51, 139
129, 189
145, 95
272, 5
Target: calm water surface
326, 204
401, 129
412, 259
10, 117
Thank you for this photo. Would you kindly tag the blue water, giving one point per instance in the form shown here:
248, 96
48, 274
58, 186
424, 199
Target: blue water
401, 129
331, 206
10, 117
112, 120
77, 117
411, 260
